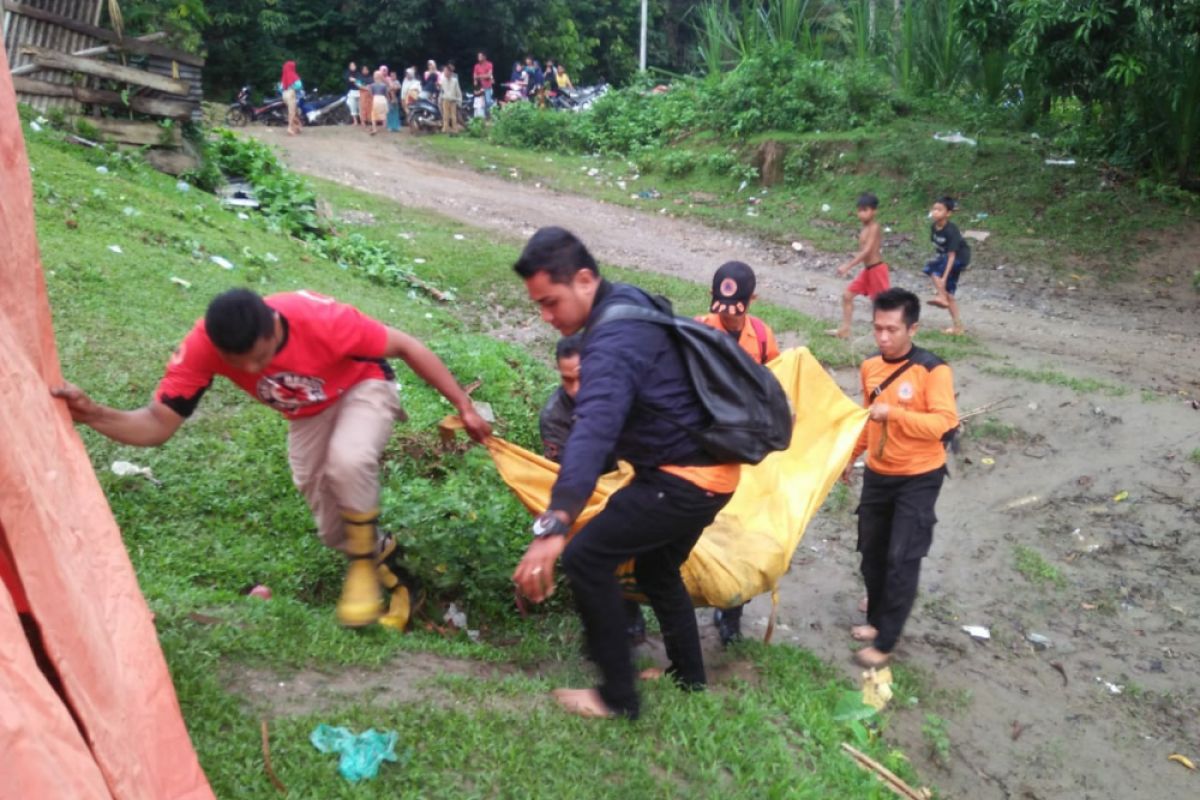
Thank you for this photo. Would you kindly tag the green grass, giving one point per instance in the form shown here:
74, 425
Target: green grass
994, 429
1052, 377
937, 739
1195, 456
1060, 217
227, 517
1036, 569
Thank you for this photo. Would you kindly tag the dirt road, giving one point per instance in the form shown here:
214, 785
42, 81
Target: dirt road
1105, 488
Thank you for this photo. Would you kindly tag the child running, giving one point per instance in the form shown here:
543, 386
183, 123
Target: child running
953, 256
874, 277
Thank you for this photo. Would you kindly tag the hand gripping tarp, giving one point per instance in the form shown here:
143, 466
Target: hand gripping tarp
750, 544
68, 558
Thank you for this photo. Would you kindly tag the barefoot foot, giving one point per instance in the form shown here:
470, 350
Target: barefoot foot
838, 333
584, 703
651, 674
872, 658
863, 633
952, 331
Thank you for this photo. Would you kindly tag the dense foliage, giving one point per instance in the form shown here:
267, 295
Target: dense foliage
1121, 76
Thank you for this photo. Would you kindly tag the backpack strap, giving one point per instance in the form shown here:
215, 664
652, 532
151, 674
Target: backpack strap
881, 388
630, 311
760, 333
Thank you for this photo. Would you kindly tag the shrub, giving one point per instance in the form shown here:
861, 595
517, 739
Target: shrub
524, 125
677, 162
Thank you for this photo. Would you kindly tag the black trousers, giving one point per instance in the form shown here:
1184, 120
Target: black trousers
657, 518
895, 531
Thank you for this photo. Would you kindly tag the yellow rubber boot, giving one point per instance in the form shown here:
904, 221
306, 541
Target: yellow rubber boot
397, 581
360, 603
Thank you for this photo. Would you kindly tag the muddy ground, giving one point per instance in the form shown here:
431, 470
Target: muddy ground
1101, 485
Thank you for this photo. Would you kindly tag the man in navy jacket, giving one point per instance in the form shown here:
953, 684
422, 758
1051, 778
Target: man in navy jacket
635, 403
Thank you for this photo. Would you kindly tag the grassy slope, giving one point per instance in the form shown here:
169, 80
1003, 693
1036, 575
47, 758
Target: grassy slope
228, 517
1071, 218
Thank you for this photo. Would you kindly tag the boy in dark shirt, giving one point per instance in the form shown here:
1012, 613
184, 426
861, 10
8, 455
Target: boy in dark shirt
953, 256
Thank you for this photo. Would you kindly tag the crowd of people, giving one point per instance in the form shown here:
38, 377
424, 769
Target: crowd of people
382, 98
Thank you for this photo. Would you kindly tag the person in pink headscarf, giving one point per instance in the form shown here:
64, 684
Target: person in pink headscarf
293, 90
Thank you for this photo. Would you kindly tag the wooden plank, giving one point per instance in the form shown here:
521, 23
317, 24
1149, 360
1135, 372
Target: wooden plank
53, 59
155, 106
91, 51
129, 45
128, 132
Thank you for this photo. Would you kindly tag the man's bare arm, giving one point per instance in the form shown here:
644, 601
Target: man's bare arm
429, 368
148, 426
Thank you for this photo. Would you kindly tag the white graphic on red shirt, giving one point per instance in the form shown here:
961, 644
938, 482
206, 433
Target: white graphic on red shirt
288, 391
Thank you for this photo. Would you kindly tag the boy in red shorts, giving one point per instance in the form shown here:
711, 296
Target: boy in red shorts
874, 277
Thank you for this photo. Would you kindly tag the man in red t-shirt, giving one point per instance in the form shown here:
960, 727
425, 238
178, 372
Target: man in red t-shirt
484, 78
322, 365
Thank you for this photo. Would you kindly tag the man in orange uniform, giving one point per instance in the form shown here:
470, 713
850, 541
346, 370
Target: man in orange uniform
910, 394
732, 292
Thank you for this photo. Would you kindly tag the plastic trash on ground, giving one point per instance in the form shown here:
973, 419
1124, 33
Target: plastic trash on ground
127, 469
977, 632
361, 754
955, 138
877, 688
223, 263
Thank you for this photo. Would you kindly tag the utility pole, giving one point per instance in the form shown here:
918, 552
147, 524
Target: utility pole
642, 51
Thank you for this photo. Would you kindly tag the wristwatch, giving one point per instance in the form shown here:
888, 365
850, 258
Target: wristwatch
549, 524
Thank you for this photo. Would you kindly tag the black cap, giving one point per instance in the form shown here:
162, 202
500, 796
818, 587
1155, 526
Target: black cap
732, 288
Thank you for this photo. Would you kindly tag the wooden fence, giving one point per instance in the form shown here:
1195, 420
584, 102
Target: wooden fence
59, 55
21, 30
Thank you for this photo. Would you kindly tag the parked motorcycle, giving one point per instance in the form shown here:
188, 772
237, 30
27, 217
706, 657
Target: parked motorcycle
330, 109
425, 113
241, 111
582, 99
512, 92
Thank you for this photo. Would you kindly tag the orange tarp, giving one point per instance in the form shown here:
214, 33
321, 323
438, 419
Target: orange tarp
68, 556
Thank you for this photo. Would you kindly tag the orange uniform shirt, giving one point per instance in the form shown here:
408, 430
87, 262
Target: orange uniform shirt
922, 410
748, 338
723, 478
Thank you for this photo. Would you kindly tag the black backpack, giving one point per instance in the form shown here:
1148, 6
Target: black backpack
751, 416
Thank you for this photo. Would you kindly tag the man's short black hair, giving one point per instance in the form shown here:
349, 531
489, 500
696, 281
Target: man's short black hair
867, 200
556, 252
237, 319
568, 346
896, 297
948, 202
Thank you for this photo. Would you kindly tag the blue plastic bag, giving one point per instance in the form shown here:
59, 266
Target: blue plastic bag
361, 754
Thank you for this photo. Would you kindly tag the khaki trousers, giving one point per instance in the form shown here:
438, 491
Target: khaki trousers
335, 455
449, 116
